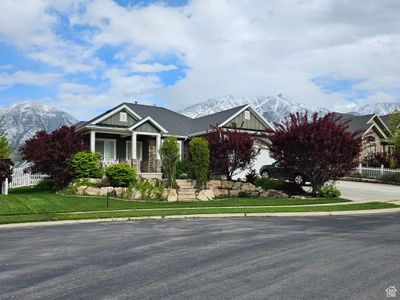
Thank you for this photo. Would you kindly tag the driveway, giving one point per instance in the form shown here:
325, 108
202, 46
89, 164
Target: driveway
359, 191
260, 258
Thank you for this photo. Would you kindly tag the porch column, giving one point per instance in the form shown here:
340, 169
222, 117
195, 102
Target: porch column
133, 144
158, 145
92, 141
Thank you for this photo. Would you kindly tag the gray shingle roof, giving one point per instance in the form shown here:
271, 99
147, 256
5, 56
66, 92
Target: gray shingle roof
175, 123
356, 122
203, 123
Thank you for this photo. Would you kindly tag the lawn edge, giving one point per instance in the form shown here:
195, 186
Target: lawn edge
202, 216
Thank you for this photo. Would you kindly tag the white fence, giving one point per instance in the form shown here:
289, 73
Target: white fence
19, 178
373, 172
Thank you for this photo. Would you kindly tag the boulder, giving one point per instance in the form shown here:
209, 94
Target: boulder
135, 195
236, 185
172, 195
274, 194
247, 186
253, 194
106, 190
92, 191
120, 192
259, 189
297, 197
221, 192
210, 194
202, 196
95, 181
226, 184
214, 184
81, 190
234, 193
105, 181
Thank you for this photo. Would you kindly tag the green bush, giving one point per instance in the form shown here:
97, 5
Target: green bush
183, 169
169, 153
391, 177
251, 176
45, 185
85, 164
329, 191
150, 189
200, 156
289, 188
121, 175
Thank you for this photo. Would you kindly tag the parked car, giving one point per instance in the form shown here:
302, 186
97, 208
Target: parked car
276, 171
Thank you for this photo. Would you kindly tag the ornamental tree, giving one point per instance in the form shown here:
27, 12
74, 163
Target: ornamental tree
200, 159
231, 151
169, 153
323, 148
49, 153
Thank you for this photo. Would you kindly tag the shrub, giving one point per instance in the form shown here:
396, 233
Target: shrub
85, 164
6, 166
391, 177
375, 160
329, 191
121, 175
45, 185
150, 189
251, 176
169, 153
200, 155
183, 169
289, 188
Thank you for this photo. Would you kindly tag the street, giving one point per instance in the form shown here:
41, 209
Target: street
360, 191
350, 257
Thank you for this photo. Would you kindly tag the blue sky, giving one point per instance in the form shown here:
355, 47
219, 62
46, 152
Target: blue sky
86, 56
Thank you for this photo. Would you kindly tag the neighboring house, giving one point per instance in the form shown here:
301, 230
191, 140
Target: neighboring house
374, 130
133, 133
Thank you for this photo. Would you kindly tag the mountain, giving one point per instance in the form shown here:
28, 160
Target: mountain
380, 109
273, 108
22, 120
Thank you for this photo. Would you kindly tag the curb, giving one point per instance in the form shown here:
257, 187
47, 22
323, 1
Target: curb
204, 216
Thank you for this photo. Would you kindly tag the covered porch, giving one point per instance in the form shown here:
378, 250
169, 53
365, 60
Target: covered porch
138, 149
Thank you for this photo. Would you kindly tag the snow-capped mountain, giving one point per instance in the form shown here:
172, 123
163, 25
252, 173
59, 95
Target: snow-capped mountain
273, 108
22, 120
380, 109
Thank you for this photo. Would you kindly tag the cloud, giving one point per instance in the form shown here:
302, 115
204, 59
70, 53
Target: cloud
27, 78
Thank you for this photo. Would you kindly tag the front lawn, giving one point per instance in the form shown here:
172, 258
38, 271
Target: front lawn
47, 206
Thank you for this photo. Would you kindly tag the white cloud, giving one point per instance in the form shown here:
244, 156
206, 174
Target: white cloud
150, 68
28, 78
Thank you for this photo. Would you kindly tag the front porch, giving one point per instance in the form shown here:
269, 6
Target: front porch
138, 149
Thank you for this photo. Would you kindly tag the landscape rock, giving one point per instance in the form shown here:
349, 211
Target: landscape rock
221, 192
210, 194
236, 185
95, 181
92, 191
234, 193
253, 194
135, 195
105, 181
247, 186
274, 194
120, 192
214, 184
81, 190
227, 184
172, 195
106, 190
202, 196
297, 197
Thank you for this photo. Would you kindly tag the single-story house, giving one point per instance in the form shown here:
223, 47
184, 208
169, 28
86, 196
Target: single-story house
133, 133
374, 130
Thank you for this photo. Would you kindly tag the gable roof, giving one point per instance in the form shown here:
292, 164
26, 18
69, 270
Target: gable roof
172, 122
203, 123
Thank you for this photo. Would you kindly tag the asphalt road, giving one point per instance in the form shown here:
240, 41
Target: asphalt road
359, 191
261, 258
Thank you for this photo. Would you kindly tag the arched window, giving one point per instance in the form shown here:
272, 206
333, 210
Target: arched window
371, 145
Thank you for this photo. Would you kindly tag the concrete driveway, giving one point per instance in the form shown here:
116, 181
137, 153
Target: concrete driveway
254, 258
359, 191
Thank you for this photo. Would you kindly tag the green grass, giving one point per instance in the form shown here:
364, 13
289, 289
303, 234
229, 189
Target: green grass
183, 211
30, 205
48, 202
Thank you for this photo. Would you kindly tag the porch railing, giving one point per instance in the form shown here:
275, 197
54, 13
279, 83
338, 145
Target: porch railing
107, 163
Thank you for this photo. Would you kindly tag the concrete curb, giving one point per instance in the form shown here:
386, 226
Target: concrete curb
205, 216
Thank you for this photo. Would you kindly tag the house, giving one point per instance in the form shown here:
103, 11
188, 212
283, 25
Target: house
374, 130
133, 133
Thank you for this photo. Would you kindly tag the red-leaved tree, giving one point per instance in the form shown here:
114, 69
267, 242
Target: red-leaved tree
321, 147
48, 153
231, 150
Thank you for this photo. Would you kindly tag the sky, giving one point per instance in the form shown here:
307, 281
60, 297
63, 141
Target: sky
85, 56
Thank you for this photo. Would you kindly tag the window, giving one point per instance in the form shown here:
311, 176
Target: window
123, 117
371, 145
247, 115
139, 152
106, 148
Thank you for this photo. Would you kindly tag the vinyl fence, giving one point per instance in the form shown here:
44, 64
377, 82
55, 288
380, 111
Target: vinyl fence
19, 178
369, 172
